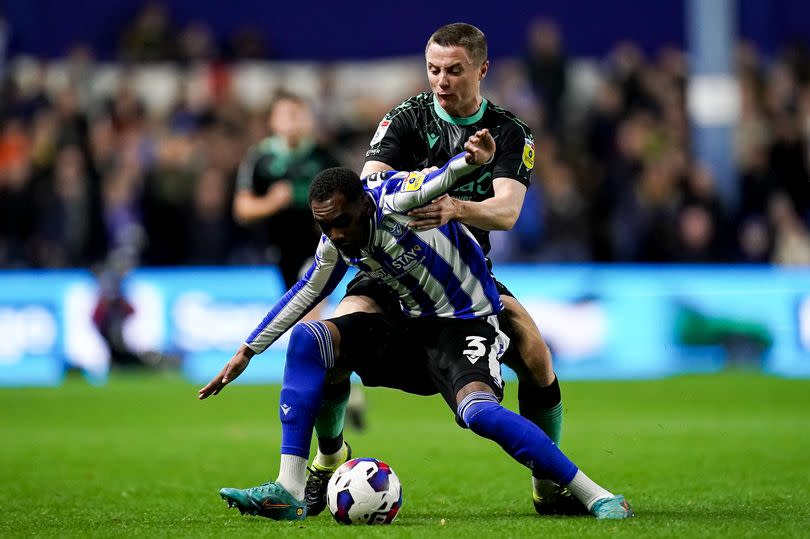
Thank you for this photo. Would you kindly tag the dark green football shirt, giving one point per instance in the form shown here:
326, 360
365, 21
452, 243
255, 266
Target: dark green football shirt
293, 229
418, 133
272, 160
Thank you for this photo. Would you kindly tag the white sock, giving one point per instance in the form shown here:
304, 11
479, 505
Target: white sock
586, 490
331, 461
292, 475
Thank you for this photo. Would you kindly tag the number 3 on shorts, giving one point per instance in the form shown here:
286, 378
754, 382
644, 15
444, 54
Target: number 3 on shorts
476, 349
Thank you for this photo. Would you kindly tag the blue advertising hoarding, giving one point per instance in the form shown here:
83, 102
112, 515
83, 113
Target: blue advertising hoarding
601, 322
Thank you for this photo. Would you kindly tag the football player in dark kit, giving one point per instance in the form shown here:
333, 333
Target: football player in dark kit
427, 130
273, 182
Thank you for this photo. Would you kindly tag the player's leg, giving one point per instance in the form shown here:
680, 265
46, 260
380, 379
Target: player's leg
539, 397
464, 361
479, 407
363, 295
312, 351
371, 344
332, 450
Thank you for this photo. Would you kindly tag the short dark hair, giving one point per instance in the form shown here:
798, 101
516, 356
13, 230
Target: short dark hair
461, 34
281, 95
336, 180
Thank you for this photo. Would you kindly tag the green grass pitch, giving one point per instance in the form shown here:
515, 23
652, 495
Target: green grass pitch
699, 456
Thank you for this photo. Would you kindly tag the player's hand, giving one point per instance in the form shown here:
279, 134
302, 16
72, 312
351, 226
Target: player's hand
480, 147
428, 170
228, 374
435, 214
279, 196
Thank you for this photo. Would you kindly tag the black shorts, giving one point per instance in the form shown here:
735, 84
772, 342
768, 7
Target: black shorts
382, 294
423, 356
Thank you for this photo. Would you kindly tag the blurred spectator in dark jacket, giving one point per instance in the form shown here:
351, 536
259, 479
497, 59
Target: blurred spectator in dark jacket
565, 217
68, 220
791, 236
788, 162
151, 37
547, 67
210, 227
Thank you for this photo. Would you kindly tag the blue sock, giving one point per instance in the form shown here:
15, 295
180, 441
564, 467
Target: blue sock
309, 354
522, 439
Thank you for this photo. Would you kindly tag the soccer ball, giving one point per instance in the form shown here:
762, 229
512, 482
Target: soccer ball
364, 491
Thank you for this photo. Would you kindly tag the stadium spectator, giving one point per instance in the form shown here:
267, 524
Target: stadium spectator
547, 68
151, 36
273, 181
210, 227
68, 224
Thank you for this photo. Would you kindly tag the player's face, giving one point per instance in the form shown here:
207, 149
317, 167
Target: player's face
344, 223
455, 78
291, 120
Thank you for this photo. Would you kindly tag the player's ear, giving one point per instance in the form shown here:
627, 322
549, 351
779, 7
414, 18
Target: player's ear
368, 205
484, 69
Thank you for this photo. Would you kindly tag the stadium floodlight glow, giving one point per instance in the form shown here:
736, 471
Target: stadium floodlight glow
713, 100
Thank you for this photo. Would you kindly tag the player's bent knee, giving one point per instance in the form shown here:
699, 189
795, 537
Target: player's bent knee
318, 335
475, 410
357, 304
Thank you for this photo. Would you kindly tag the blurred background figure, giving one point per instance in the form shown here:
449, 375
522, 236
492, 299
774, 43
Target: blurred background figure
547, 70
273, 186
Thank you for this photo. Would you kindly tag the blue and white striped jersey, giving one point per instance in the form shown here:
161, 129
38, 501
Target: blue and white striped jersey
440, 272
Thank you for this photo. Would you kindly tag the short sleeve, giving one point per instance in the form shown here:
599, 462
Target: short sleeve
514, 157
391, 141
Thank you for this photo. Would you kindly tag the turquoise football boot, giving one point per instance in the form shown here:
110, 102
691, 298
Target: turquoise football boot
269, 500
614, 508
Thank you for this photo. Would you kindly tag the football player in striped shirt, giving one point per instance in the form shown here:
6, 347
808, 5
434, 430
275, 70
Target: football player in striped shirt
426, 130
448, 339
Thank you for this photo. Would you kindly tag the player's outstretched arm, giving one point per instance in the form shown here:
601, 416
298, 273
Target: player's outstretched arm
500, 212
229, 372
406, 193
320, 280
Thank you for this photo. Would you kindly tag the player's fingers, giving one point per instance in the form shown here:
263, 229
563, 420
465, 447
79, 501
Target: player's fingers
214, 386
229, 374
208, 390
420, 224
419, 212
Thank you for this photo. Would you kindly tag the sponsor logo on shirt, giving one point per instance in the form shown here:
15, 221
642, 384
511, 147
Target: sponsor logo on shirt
393, 227
413, 182
407, 260
380, 133
528, 153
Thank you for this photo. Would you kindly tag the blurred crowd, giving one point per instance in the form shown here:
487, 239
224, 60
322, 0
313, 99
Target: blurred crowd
85, 173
